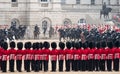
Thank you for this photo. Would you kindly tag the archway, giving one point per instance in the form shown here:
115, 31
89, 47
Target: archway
46, 24
67, 22
15, 22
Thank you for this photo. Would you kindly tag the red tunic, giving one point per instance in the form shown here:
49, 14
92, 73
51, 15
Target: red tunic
97, 54
19, 54
12, 54
110, 53
5, 55
116, 53
103, 53
84, 55
61, 54
68, 54
91, 53
32, 54
38, 54
1, 50
77, 54
28, 54
46, 53
54, 54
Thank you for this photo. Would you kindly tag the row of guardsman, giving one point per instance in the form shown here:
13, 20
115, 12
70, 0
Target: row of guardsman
77, 56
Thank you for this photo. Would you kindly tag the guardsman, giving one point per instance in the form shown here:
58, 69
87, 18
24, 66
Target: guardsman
68, 56
110, 54
33, 56
19, 55
28, 54
46, 53
12, 55
54, 56
97, 56
103, 53
4, 57
91, 56
37, 57
116, 56
61, 55
84, 56
77, 55
41, 56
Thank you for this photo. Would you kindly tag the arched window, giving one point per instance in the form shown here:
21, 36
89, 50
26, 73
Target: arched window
67, 22
92, 2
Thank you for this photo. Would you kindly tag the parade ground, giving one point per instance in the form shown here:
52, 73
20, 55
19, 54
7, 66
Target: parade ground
49, 72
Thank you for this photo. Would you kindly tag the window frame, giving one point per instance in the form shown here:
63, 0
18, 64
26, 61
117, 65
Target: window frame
92, 2
77, 1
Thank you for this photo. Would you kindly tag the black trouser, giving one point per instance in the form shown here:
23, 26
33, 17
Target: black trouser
68, 64
84, 63
36, 66
73, 67
25, 67
45, 65
91, 66
53, 65
0, 64
28, 65
76, 65
97, 65
116, 64
109, 65
40, 65
19, 65
102, 65
79, 65
11, 65
4, 66
60, 65
32, 65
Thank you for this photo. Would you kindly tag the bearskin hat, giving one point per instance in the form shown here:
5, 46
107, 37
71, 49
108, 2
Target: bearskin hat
73, 44
12, 44
37, 45
61, 45
26, 45
80, 44
110, 44
19, 45
116, 44
77, 45
5, 45
103, 44
53, 45
34, 46
1, 42
46, 45
29, 45
98, 45
91, 45
68, 45
84, 45
41, 45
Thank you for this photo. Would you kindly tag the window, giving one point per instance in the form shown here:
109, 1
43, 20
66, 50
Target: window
77, 1
14, 0
44, 0
108, 2
117, 2
14, 3
63, 1
92, 2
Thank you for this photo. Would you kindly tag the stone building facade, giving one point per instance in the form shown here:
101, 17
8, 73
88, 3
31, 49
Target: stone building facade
51, 12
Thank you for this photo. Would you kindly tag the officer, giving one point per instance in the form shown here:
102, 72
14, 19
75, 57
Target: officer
19, 55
